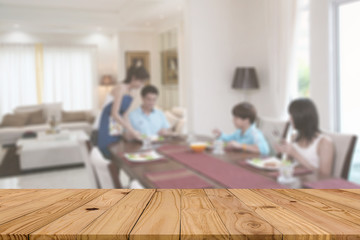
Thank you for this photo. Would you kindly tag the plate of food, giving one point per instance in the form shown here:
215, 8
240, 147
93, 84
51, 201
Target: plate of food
154, 138
271, 163
143, 156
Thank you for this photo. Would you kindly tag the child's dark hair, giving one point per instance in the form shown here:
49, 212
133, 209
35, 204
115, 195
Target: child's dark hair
149, 89
137, 72
245, 110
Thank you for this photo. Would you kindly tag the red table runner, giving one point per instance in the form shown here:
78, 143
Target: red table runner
229, 175
180, 178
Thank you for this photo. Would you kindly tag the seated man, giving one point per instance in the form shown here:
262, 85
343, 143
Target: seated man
146, 119
247, 137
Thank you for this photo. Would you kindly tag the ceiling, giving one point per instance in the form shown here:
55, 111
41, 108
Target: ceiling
88, 15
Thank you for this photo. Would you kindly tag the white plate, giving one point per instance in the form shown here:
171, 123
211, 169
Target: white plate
262, 163
143, 156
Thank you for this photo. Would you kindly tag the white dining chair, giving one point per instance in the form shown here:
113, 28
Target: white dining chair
344, 145
273, 130
106, 171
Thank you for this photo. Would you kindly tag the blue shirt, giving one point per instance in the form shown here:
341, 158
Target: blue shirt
150, 124
252, 136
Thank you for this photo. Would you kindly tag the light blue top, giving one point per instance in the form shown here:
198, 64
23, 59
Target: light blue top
252, 136
150, 124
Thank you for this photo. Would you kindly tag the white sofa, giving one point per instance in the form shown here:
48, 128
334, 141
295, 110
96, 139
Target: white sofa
9, 135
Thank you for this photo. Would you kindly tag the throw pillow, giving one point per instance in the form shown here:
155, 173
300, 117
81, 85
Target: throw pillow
77, 116
36, 117
15, 120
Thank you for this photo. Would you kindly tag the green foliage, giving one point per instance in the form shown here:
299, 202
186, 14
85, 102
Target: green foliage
304, 79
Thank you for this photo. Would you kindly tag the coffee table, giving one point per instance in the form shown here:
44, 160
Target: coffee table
51, 150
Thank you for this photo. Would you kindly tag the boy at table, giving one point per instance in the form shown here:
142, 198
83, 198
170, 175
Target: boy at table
247, 137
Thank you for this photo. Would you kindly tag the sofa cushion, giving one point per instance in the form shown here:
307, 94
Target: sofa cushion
36, 117
73, 116
15, 120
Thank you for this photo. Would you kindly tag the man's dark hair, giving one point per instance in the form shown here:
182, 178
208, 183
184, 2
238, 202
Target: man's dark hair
245, 110
149, 89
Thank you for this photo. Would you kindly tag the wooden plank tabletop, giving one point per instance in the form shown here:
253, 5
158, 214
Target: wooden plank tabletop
69, 214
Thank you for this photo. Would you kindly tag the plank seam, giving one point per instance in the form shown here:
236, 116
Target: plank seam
100, 214
67, 212
152, 196
312, 223
229, 235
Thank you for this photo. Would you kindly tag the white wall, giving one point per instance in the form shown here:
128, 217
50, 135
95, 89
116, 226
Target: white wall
228, 34
320, 77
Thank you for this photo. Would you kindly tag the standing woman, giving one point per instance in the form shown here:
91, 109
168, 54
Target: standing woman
310, 147
114, 115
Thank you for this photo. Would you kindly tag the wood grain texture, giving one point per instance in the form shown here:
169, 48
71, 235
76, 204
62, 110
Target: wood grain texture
346, 198
291, 225
161, 218
118, 221
33, 202
164, 214
331, 207
336, 226
240, 220
199, 219
22, 226
68, 226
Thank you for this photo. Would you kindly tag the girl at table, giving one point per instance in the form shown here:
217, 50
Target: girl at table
310, 147
114, 115
247, 137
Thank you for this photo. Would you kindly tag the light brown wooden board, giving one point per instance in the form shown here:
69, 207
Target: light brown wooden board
336, 226
241, 222
167, 214
291, 225
22, 226
161, 218
118, 221
199, 219
69, 225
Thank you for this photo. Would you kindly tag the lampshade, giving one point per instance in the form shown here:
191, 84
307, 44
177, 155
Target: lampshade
107, 80
245, 78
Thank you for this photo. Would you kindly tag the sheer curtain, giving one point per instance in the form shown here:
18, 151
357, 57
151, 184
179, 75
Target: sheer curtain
17, 77
281, 23
69, 76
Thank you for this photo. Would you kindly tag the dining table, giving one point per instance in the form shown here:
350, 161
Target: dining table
230, 170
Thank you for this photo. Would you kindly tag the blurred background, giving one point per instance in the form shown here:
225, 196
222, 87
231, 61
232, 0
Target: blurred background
64, 56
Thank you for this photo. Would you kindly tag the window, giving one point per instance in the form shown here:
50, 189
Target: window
31, 74
17, 77
303, 49
347, 39
69, 76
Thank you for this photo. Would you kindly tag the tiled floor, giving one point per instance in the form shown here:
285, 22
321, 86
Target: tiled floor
69, 178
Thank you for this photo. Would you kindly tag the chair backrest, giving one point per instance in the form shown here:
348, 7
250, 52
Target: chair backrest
273, 130
106, 171
344, 145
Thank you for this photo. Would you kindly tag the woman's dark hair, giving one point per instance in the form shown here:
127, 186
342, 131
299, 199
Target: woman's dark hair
245, 110
305, 117
137, 72
149, 89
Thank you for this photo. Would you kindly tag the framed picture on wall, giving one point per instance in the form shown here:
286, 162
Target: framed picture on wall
170, 69
138, 58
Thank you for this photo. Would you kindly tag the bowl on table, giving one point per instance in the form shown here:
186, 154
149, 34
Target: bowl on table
198, 147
